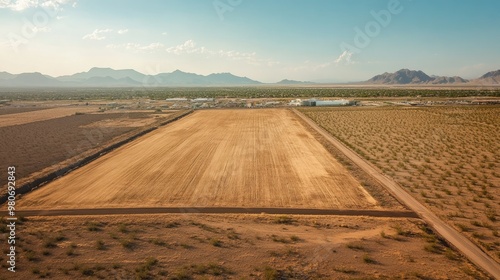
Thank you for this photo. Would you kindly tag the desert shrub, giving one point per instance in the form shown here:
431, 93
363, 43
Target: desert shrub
295, 238
271, 273
123, 228
434, 248
345, 270
142, 272
368, 259
287, 220
216, 242
100, 245
128, 244
280, 239
188, 271
172, 225
94, 226
87, 272
31, 256
357, 247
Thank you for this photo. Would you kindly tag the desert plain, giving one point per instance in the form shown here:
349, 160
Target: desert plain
248, 159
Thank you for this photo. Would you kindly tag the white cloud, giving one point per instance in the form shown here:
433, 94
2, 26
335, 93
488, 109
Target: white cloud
153, 46
122, 31
98, 34
137, 47
247, 57
189, 47
186, 47
20, 5
164, 33
55, 4
345, 58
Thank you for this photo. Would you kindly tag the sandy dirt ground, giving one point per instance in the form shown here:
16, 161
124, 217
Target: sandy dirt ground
244, 158
43, 115
200, 246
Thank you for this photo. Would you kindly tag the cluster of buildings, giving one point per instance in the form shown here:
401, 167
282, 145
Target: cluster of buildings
252, 103
314, 102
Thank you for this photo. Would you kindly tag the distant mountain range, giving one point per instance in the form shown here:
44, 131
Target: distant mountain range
407, 77
107, 77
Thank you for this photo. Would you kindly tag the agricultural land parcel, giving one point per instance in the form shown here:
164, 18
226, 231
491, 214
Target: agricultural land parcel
243, 158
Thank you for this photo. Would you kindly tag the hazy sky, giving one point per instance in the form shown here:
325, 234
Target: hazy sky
266, 40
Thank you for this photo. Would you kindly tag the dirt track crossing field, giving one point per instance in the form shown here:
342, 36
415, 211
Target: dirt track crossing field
242, 158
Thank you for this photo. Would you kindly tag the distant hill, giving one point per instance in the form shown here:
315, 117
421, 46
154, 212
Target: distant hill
178, 78
6, 76
30, 80
492, 77
405, 77
402, 77
292, 82
448, 80
104, 72
229, 79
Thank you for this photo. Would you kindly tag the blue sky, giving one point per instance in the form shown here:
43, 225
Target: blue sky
266, 40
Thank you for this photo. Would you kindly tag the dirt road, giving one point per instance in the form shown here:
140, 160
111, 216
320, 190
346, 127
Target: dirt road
455, 238
220, 210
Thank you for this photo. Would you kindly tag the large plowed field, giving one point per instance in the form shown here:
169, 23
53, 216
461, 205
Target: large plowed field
244, 158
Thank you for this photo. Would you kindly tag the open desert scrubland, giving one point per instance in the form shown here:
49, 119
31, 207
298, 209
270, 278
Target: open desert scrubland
241, 158
447, 157
201, 246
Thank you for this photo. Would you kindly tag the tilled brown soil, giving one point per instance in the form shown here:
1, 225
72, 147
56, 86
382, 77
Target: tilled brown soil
34, 146
243, 158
